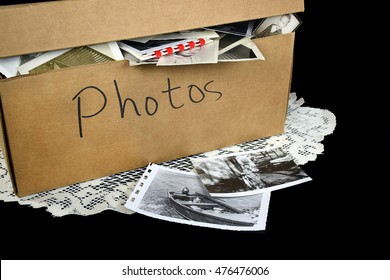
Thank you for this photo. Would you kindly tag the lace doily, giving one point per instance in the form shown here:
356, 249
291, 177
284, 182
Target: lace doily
305, 128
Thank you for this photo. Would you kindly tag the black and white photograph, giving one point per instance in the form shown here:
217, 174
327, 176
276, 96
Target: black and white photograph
27, 57
179, 196
110, 49
242, 50
70, 57
277, 25
133, 61
139, 48
249, 173
227, 40
143, 48
9, 65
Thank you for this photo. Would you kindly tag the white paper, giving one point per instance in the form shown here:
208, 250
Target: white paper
9, 65
142, 54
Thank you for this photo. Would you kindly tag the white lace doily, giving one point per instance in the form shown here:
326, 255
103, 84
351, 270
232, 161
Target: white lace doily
304, 130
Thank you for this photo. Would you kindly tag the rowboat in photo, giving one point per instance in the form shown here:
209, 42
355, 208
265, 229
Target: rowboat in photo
202, 208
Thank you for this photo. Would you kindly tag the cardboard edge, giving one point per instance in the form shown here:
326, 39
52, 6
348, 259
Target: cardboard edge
5, 147
2, 132
291, 70
291, 76
292, 35
27, 12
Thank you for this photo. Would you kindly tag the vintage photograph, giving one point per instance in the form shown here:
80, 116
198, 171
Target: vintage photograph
226, 42
39, 60
144, 47
249, 173
181, 197
73, 57
139, 48
133, 61
242, 50
64, 58
110, 49
276, 25
9, 65
27, 57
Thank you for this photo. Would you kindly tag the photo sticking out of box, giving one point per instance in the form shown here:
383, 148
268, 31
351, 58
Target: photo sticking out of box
277, 25
164, 50
206, 54
180, 197
9, 65
178, 48
147, 48
249, 173
233, 41
133, 61
227, 41
241, 50
72, 57
45, 61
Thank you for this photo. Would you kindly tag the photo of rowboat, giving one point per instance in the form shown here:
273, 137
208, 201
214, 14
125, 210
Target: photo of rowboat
179, 196
203, 208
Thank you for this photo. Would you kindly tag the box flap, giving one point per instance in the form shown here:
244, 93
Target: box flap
31, 28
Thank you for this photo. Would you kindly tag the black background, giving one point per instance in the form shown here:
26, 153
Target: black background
342, 214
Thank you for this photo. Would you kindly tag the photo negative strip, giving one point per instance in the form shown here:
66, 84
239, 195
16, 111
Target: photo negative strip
277, 25
249, 173
180, 197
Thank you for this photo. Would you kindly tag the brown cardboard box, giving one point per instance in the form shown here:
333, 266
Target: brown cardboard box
78, 124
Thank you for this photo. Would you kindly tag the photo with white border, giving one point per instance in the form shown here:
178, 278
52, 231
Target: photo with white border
277, 25
111, 50
179, 196
249, 173
242, 50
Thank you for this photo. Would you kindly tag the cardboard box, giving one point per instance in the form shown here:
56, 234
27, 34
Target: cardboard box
77, 124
